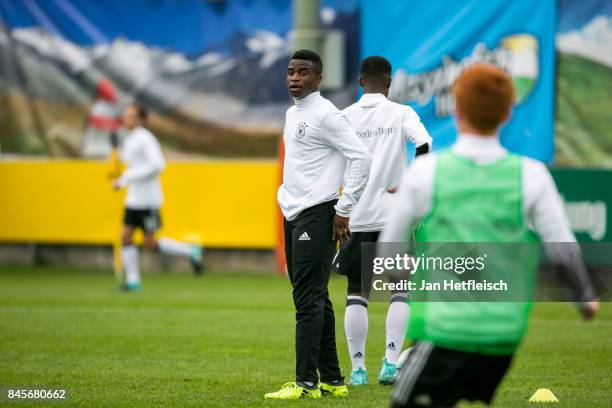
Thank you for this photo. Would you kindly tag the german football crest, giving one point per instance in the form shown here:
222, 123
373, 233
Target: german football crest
300, 132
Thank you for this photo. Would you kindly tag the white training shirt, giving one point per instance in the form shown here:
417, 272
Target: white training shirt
542, 205
384, 127
142, 155
319, 145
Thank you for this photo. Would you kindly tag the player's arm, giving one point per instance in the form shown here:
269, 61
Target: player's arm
550, 220
340, 135
414, 131
114, 163
402, 214
153, 164
411, 203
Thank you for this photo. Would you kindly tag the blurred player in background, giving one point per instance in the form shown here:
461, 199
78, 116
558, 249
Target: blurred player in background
142, 156
385, 127
481, 193
319, 145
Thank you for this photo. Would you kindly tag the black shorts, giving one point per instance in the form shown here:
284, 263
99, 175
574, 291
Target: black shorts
438, 377
147, 219
348, 261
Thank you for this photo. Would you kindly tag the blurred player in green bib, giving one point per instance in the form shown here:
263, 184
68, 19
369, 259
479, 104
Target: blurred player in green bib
477, 192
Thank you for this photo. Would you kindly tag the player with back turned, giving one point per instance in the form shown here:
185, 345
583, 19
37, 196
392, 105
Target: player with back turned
385, 127
319, 146
477, 192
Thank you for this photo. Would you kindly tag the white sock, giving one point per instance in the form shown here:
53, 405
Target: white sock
356, 329
397, 321
131, 264
173, 247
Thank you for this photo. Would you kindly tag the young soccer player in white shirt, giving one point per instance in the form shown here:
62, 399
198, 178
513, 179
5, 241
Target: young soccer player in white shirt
385, 127
319, 145
144, 161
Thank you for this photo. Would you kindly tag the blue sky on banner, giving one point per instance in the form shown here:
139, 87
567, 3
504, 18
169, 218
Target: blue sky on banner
188, 26
574, 14
428, 43
584, 28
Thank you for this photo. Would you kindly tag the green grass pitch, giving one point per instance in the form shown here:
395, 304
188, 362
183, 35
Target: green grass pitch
226, 339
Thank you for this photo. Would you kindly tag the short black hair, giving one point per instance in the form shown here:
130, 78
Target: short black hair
143, 112
309, 55
376, 67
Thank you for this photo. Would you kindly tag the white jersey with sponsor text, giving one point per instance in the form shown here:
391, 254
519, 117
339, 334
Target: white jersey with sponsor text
384, 127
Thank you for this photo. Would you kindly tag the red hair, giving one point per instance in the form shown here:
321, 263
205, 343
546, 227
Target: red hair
484, 94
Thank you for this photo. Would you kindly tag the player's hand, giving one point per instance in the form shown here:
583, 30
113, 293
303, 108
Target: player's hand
340, 228
392, 190
589, 309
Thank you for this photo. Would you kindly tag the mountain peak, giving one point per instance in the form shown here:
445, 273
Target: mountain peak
592, 41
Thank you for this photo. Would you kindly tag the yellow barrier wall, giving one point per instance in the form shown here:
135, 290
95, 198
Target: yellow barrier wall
218, 203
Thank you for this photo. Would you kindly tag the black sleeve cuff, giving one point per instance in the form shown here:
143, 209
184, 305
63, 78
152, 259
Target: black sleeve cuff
423, 149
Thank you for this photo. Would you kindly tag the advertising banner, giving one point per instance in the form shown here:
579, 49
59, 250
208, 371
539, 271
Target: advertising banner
429, 43
212, 73
584, 74
587, 202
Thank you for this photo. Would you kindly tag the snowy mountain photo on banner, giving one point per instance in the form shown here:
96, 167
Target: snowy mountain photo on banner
211, 73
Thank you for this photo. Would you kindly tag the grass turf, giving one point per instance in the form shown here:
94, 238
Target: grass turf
226, 339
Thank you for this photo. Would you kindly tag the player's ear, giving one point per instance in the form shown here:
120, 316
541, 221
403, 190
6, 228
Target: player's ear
361, 81
388, 83
458, 113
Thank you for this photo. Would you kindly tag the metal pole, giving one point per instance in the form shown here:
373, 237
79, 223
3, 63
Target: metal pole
306, 20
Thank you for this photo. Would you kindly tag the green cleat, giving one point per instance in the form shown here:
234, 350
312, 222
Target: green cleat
131, 287
196, 260
293, 391
388, 373
330, 390
359, 377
